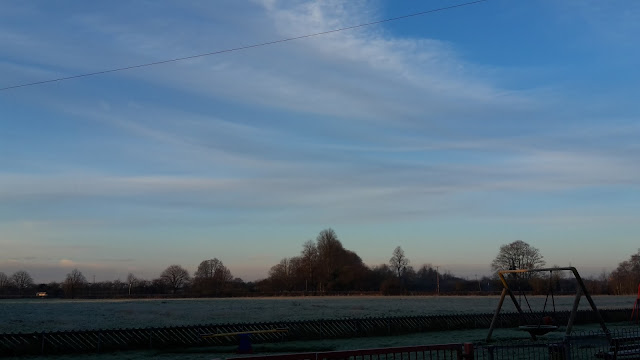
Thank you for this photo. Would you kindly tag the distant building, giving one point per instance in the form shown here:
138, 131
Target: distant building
42, 294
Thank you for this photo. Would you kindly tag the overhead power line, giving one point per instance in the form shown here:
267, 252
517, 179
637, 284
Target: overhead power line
242, 47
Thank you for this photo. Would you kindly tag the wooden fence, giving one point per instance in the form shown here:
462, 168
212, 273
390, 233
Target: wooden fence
61, 342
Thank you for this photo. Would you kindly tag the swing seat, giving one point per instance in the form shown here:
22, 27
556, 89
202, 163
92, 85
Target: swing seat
536, 330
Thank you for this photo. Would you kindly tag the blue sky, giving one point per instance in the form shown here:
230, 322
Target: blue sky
448, 134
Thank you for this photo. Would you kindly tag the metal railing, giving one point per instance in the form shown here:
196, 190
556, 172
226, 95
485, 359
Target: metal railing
422, 352
624, 344
618, 344
104, 340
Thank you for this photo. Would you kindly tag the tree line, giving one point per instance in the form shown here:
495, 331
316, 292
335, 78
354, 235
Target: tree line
325, 267
211, 278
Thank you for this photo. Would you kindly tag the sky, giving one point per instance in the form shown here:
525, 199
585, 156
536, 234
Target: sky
448, 134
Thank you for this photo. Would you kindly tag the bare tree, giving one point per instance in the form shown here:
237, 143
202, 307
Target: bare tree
338, 269
330, 252
212, 276
309, 264
22, 280
4, 280
287, 274
517, 255
281, 275
214, 269
74, 281
175, 276
625, 278
399, 262
131, 280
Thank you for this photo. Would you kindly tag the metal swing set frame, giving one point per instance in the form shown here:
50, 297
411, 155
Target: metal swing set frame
542, 329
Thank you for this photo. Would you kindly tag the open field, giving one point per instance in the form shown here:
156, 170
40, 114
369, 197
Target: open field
52, 314
36, 315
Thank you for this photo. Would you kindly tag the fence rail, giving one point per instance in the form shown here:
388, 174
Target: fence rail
617, 345
60, 342
442, 351
625, 345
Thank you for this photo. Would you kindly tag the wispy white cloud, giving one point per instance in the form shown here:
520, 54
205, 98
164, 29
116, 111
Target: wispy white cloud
67, 263
363, 74
350, 190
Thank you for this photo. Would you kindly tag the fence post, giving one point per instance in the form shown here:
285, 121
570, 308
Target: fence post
42, 340
468, 351
557, 352
99, 345
567, 349
150, 339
